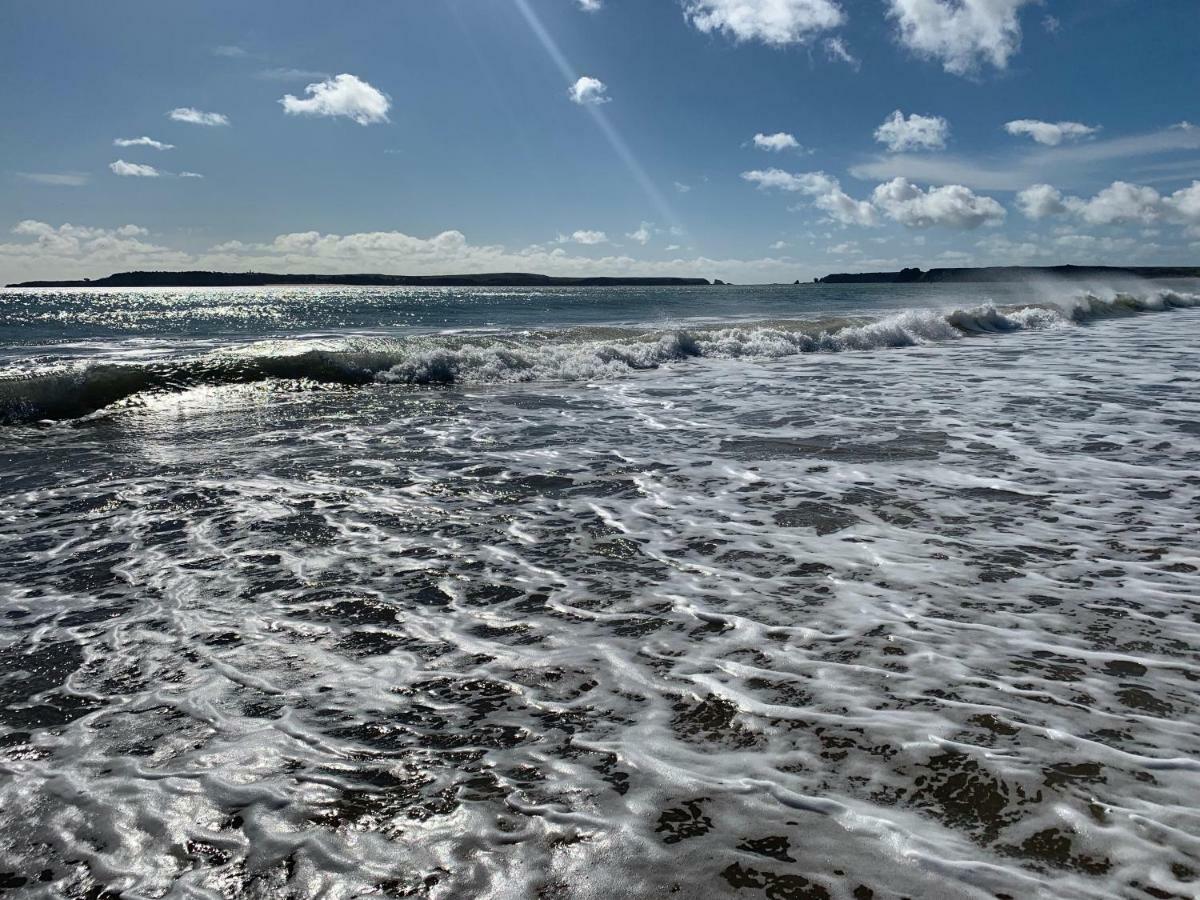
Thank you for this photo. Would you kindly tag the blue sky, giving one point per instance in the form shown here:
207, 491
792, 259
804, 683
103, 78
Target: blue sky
751, 140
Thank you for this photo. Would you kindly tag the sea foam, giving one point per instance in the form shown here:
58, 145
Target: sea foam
568, 355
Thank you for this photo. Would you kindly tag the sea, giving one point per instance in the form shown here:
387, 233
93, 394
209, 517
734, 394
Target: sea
814, 591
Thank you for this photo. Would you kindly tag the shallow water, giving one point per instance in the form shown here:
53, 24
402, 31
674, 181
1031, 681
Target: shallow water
914, 619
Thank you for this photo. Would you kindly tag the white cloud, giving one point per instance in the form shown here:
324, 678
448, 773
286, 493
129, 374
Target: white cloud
196, 117
773, 22
190, 175
1041, 201
913, 133
952, 206
136, 170
43, 251
960, 34
1049, 133
776, 142
588, 90
142, 142
1000, 250
73, 251
1102, 249
586, 237
1121, 203
825, 191
682, 188
229, 51
343, 95
1186, 203
836, 49
56, 179
590, 5
1015, 170
778, 179
643, 234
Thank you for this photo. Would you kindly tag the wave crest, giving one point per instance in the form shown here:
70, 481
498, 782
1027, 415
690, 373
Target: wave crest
568, 356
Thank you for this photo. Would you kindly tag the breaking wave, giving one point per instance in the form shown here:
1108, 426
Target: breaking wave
576, 355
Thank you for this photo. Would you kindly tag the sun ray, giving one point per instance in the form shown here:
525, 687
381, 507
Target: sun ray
614, 138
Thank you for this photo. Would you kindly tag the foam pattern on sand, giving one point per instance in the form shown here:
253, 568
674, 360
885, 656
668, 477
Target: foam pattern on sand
918, 623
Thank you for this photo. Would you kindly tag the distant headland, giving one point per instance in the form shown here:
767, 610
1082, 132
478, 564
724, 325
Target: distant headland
1009, 273
266, 279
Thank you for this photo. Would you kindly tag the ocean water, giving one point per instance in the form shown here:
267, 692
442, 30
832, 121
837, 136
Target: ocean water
806, 592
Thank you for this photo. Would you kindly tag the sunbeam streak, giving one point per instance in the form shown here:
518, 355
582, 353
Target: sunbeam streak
620, 147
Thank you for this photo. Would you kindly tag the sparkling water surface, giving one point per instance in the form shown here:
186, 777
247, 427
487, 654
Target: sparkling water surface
854, 592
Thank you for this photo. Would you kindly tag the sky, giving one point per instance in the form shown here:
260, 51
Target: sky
748, 140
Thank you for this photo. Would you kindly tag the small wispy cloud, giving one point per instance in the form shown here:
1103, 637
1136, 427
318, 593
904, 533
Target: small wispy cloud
836, 49
1050, 133
196, 117
141, 170
642, 235
590, 5
142, 141
682, 188
283, 73
230, 50
133, 170
584, 236
56, 179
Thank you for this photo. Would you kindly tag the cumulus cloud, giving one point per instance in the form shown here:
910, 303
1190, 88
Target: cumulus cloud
73, 251
643, 234
912, 133
952, 205
196, 117
825, 190
343, 95
781, 140
588, 90
41, 250
1041, 201
590, 5
683, 188
1122, 203
1049, 133
960, 34
56, 179
773, 22
142, 142
135, 170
